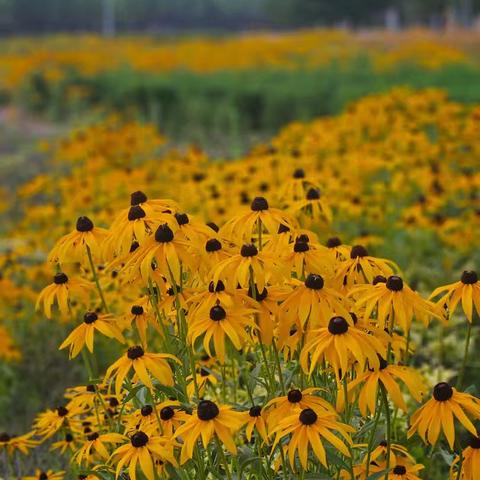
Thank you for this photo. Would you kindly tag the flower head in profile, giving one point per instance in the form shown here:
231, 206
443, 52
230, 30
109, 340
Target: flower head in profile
142, 450
142, 363
438, 414
14, 443
46, 475
76, 246
389, 376
61, 291
256, 420
309, 429
466, 290
219, 322
394, 301
136, 223
95, 444
362, 268
469, 459
207, 420
261, 216
83, 335
339, 345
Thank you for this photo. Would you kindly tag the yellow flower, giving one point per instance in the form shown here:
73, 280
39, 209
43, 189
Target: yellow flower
73, 247
84, 333
308, 429
208, 420
467, 290
142, 363
61, 290
439, 412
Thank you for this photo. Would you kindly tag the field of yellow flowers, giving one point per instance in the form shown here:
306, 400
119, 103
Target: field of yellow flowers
306, 311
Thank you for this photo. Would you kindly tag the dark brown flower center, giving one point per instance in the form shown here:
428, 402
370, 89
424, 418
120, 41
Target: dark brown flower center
474, 442
43, 476
137, 197
307, 416
299, 173
84, 224
294, 396
146, 410
4, 437
394, 283
213, 245
60, 278
399, 470
442, 392
139, 439
219, 287
164, 234
248, 250
358, 251
313, 194
379, 279
255, 411
314, 281
207, 410
62, 411
300, 247
166, 413
135, 352
217, 313
333, 242
92, 436
137, 310
182, 218
90, 317
337, 326
469, 277
259, 204
136, 212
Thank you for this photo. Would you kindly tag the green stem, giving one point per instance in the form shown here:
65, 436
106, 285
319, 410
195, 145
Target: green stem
279, 367
372, 435
95, 278
389, 433
223, 458
465, 357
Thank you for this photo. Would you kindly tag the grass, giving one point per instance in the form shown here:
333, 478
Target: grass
233, 110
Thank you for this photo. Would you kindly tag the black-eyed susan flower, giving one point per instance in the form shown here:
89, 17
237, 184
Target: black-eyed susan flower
438, 414
216, 323
62, 290
68, 443
295, 400
142, 363
49, 422
135, 224
141, 316
163, 248
83, 335
242, 267
203, 378
339, 344
95, 444
261, 215
470, 461
362, 268
46, 475
207, 420
256, 419
467, 290
395, 302
142, 450
312, 301
305, 257
337, 249
73, 247
20, 443
308, 429
388, 375
312, 208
